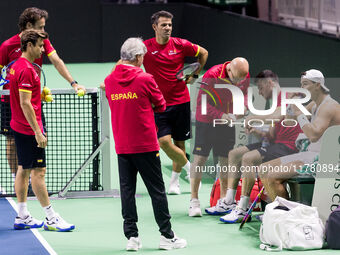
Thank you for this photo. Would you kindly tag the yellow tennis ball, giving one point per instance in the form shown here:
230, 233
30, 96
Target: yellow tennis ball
47, 90
80, 92
48, 98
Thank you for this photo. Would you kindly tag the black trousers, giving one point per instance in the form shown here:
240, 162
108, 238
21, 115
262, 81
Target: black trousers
149, 166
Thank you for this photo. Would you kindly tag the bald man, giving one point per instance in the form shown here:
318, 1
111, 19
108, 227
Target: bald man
220, 138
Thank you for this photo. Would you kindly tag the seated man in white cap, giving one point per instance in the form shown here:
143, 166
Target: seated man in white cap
325, 113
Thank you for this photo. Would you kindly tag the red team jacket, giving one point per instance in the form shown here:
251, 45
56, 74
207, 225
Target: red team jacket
131, 94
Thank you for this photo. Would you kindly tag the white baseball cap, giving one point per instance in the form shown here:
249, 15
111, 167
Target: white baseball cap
316, 76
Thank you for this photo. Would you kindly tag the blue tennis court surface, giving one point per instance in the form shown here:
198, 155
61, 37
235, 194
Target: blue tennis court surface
16, 241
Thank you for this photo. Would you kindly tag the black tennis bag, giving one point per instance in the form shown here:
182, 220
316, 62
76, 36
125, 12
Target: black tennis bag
333, 230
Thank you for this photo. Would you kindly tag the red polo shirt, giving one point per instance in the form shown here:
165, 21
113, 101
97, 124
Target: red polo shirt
24, 78
164, 61
10, 50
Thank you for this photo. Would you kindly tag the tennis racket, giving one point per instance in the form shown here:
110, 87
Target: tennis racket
3, 80
42, 74
251, 208
46, 95
187, 71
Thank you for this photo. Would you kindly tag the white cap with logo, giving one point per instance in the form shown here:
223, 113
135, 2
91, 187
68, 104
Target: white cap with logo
316, 76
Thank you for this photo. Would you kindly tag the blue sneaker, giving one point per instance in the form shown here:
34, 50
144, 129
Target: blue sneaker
58, 224
235, 216
220, 208
27, 223
259, 217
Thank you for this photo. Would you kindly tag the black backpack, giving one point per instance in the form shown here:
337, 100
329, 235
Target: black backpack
333, 230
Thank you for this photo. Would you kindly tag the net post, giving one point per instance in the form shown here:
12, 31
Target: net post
105, 126
95, 138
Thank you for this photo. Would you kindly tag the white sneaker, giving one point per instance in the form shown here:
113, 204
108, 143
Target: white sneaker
28, 222
220, 208
236, 215
58, 224
172, 243
187, 177
133, 244
174, 187
195, 208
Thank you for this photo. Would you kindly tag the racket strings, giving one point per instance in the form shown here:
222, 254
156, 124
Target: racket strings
188, 71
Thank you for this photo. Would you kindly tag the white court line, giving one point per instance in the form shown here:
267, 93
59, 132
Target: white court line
34, 231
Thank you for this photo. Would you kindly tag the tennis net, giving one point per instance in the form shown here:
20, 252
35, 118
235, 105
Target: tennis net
73, 125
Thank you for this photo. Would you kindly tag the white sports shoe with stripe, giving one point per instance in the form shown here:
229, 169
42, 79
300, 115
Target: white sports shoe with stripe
172, 243
58, 224
27, 223
220, 208
235, 216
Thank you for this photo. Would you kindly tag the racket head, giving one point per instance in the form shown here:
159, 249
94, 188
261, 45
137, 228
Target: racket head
42, 73
187, 71
3, 80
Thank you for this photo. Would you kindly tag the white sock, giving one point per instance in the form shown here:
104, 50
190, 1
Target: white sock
244, 202
175, 176
13, 176
22, 210
49, 211
230, 196
187, 167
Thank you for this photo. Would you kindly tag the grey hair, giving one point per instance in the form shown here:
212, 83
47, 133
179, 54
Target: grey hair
131, 48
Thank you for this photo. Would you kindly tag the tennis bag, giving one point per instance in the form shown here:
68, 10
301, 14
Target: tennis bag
292, 226
333, 229
215, 193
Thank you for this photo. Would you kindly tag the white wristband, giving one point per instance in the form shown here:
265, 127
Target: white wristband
302, 119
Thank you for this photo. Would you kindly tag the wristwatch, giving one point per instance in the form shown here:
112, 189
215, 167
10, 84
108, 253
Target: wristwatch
73, 82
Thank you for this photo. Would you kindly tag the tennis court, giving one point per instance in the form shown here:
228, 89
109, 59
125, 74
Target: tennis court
98, 220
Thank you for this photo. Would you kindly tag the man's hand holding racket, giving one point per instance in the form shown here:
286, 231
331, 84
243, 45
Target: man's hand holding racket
188, 72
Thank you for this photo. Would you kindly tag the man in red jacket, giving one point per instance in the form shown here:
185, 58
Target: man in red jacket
133, 98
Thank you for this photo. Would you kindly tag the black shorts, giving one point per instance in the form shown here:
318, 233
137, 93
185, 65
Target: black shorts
6, 114
174, 121
220, 138
273, 151
29, 154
